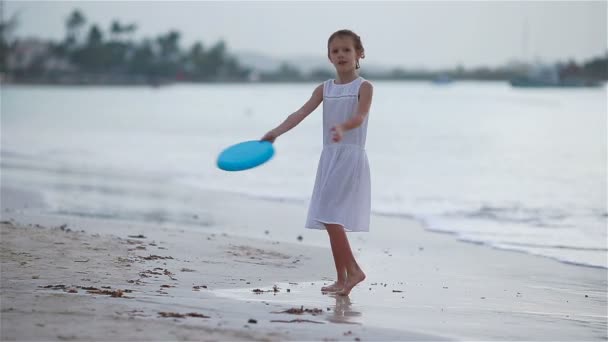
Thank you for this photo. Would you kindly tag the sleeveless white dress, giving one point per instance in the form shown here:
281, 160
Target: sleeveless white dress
342, 190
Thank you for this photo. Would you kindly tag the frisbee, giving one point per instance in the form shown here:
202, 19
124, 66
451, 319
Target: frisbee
245, 155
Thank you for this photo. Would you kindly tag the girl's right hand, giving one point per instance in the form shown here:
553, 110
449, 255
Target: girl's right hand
270, 136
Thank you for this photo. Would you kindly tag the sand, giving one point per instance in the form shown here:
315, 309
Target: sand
244, 275
48, 273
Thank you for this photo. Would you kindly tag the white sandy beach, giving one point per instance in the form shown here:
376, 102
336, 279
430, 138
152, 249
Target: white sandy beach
424, 286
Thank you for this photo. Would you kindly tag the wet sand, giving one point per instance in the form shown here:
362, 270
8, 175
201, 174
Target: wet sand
72, 285
74, 278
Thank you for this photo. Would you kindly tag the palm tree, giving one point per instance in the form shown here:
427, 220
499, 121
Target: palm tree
116, 30
74, 24
169, 44
6, 29
95, 37
129, 29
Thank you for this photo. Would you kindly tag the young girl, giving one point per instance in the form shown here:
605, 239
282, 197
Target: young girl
341, 196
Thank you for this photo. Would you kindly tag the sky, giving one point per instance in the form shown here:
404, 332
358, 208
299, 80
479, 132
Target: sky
408, 34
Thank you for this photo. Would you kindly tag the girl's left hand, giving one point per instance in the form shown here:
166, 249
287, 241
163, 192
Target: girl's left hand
337, 133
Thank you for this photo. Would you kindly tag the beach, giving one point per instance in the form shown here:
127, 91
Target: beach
117, 224
78, 278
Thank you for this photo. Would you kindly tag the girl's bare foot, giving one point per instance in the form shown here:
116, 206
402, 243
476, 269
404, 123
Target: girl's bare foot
353, 279
335, 287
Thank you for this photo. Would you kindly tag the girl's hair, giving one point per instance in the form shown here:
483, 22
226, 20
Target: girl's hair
355, 37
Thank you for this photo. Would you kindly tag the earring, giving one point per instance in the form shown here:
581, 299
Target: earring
357, 66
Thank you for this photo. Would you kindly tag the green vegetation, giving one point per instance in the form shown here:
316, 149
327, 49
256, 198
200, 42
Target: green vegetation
90, 55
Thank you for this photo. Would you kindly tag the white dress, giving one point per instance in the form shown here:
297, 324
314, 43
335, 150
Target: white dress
341, 194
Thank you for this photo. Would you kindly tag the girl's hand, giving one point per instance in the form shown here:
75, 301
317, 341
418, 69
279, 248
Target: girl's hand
270, 136
337, 133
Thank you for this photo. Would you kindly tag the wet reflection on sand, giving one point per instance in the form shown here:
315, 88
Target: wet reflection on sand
335, 308
343, 311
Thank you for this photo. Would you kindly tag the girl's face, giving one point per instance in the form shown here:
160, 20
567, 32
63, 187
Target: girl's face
342, 54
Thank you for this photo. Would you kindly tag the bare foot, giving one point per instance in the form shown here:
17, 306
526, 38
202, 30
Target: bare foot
335, 287
352, 280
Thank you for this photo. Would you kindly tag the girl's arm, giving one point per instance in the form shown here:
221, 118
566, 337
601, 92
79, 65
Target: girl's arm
296, 117
365, 101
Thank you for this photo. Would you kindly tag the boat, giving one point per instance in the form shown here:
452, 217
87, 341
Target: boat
549, 76
442, 79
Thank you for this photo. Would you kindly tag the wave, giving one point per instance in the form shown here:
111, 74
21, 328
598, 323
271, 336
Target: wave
511, 228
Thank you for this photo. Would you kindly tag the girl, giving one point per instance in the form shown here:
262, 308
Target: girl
341, 196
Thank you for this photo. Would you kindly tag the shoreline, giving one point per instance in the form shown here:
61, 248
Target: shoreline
420, 286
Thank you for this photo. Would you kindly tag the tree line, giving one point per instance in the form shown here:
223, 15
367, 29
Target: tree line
91, 50
90, 54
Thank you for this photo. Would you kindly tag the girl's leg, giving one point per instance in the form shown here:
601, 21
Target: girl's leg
345, 258
340, 264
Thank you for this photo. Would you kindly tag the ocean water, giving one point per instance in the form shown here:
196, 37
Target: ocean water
515, 169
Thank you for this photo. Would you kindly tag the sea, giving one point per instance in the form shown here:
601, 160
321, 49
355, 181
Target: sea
516, 169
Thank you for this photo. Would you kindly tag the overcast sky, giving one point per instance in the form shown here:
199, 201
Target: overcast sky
432, 34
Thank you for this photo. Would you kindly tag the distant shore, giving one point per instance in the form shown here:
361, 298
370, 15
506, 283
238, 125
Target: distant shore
113, 80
